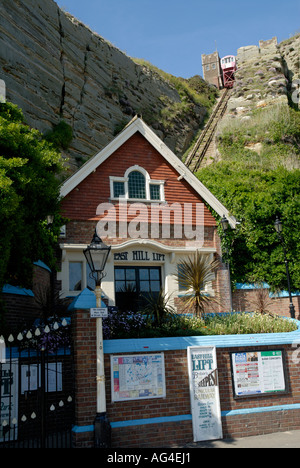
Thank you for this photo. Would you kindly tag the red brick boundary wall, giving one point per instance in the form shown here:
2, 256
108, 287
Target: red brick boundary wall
249, 299
167, 422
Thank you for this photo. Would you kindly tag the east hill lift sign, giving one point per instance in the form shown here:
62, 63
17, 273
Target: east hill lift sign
139, 256
204, 393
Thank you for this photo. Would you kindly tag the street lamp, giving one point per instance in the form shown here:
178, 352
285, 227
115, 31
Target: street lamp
96, 255
225, 226
278, 229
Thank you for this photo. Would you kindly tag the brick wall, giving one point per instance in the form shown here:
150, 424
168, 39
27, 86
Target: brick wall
84, 339
249, 300
174, 425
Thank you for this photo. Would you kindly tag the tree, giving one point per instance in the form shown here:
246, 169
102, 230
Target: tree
255, 197
29, 191
193, 274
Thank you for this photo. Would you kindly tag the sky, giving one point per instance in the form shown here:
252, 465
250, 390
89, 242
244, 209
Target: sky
173, 34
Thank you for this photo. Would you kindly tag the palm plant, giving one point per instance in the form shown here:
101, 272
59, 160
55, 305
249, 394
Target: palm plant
193, 275
158, 309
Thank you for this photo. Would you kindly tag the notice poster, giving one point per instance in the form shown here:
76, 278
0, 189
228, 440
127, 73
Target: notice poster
138, 377
204, 393
258, 372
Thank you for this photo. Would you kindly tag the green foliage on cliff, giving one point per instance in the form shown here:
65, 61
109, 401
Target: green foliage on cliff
61, 135
29, 191
256, 187
195, 89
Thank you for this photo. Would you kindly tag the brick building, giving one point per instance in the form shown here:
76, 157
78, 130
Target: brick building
149, 207
212, 69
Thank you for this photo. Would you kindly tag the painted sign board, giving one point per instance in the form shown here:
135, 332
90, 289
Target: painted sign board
137, 377
204, 393
258, 372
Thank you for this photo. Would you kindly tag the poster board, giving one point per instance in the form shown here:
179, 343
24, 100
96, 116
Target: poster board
258, 373
137, 377
204, 393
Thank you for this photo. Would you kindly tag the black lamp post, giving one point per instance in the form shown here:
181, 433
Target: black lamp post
278, 229
96, 255
225, 226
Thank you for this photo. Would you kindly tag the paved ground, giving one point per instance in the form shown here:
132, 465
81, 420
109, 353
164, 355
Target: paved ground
289, 439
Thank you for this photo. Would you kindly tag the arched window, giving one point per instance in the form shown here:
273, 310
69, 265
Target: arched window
136, 185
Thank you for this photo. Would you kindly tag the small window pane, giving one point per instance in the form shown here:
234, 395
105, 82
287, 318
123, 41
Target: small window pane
119, 189
144, 274
154, 192
130, 285
180, 285
154, 274
130, 274
136, 185
75, 276
144, 286
120, 286
119, 274
155, 286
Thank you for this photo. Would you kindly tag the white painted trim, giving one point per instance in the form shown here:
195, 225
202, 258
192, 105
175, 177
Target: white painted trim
144, 242
137, 125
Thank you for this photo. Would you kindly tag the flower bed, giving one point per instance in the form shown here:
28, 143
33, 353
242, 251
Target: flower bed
136, 325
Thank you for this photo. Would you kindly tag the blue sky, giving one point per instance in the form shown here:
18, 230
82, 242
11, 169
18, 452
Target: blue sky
172, 34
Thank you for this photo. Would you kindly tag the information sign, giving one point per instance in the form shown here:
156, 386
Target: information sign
258, 372
99, 312
136, 377
204, 393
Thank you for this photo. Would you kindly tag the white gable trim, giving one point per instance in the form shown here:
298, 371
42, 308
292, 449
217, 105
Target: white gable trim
138, 125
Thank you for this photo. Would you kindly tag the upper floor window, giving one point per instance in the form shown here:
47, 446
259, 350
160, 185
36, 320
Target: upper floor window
137, 185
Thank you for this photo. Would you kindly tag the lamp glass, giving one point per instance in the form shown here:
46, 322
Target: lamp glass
225, 223
96, 254
278, 225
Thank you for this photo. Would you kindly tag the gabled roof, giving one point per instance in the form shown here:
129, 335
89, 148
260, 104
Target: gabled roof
138, 125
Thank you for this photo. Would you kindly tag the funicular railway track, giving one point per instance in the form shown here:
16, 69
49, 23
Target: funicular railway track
198, 152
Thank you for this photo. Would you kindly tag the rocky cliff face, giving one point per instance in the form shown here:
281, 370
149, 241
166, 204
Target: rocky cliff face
55, 68
266, 74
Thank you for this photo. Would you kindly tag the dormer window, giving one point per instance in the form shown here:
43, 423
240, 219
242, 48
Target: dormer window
136, 185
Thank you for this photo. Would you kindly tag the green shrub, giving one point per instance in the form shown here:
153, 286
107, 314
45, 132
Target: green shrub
61, 135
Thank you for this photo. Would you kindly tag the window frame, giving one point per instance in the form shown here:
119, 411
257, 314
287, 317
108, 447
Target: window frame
148, 183
138, 280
